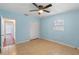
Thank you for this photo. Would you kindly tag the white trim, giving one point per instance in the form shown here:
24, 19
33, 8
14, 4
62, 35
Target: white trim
77, 48
50, 40
61, 43
23, 41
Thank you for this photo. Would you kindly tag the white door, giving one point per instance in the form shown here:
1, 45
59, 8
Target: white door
8, 36
34, 30
10, 31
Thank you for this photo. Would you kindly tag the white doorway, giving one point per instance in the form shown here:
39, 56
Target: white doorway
34, 30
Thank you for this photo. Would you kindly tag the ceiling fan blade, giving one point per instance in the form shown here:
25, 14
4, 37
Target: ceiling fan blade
35, 5
26, 14
33, 10
46, 11
47, 6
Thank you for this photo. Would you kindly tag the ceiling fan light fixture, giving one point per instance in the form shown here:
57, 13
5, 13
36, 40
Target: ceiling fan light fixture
40, 11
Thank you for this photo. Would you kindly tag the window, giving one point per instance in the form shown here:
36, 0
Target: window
58, 25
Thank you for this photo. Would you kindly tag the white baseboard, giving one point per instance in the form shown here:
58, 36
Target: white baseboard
25, 41
50, 40
61, 43
77, 48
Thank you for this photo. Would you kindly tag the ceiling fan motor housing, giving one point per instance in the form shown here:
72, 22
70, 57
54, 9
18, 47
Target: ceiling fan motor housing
40, 7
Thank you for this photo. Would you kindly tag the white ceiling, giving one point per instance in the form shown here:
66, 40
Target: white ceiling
25, 7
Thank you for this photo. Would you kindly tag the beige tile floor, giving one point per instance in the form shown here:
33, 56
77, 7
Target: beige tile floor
44, 47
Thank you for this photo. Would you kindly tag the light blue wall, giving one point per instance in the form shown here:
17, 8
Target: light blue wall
70, 36
22, 24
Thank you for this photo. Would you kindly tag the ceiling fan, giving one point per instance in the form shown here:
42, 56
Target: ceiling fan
41, 8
